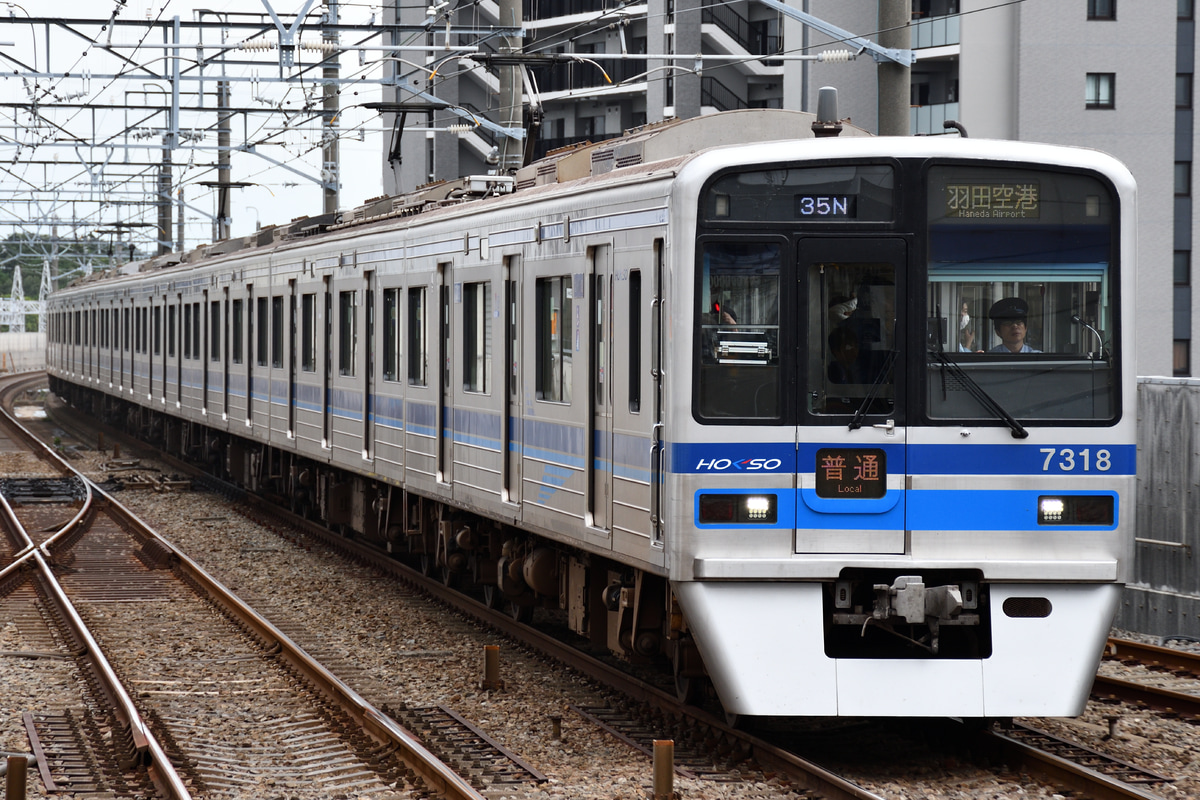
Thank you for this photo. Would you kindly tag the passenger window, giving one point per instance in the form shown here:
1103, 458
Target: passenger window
235, 331
737, 330
347, 333
418, 356
263, 331
308, 333
477, 337
214, 328
277, 331
187, 332
553, 339
391, 334
196, 330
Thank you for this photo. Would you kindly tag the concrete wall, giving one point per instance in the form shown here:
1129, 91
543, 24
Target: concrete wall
22, 351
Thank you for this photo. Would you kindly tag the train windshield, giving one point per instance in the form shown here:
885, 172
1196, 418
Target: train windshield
1020, 318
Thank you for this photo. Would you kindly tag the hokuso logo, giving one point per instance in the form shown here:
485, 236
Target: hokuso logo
746, 464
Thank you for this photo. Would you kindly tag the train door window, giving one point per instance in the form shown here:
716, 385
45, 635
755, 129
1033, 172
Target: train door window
214, 330
851, 335
104, 327
635, 341
187, 332
263, 330
391, 334
277, 331
126, 329
477, 337
737, 331
157, 330
347, 332
553, 301
236, 326
196, 330
144, 314
78, 329
171, 331
308, 332
418, 355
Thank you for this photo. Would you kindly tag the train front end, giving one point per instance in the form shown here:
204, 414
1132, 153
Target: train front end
901, 424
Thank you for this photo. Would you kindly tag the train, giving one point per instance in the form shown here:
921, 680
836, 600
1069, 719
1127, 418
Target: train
826, 425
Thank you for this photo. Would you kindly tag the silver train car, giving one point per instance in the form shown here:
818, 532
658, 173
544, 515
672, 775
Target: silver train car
834, 426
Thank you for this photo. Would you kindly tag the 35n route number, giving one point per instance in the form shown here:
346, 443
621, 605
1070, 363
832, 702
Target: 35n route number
1071, 460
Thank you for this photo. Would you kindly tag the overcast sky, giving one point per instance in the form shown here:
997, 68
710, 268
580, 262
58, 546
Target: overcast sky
278, 194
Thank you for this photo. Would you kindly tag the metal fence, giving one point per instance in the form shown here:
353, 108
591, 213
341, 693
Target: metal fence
1163, 596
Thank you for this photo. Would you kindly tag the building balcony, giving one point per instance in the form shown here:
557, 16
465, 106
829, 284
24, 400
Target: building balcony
926, 120
934, 32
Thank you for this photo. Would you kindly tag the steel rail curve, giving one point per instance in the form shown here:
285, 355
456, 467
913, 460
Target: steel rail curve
151, 754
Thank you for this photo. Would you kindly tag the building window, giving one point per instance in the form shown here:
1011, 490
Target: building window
1102, 9
417, 355
1183, 178
1101, 90
1182, 358
347, 332
1183, 90
308, 333
477, 337
553, 346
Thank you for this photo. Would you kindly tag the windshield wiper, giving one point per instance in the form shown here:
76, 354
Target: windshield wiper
977, 391
856, 420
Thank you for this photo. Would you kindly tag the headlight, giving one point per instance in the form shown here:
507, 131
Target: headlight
737, 509
1077, 509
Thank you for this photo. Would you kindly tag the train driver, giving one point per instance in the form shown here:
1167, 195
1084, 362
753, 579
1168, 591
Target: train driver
1008, 318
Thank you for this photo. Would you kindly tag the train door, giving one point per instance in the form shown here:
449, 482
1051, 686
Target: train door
511, 479
600, 456
291, 359
851, 440
368, 441
444, 436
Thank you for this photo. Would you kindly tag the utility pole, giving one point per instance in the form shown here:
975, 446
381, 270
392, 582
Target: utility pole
223, 173
894, 100
512, 149
329, 140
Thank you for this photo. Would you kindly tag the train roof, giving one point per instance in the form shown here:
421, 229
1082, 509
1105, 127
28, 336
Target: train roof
659, 147
633, 152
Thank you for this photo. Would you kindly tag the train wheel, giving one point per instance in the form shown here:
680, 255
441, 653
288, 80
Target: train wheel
688, 689
491, 596
449, 578
521, 612
427, 564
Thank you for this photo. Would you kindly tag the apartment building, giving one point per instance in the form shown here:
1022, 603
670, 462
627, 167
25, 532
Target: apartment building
1108, 74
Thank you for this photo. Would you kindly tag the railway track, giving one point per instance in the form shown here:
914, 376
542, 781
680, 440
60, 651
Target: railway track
1180, 668
188, 691
736, 753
